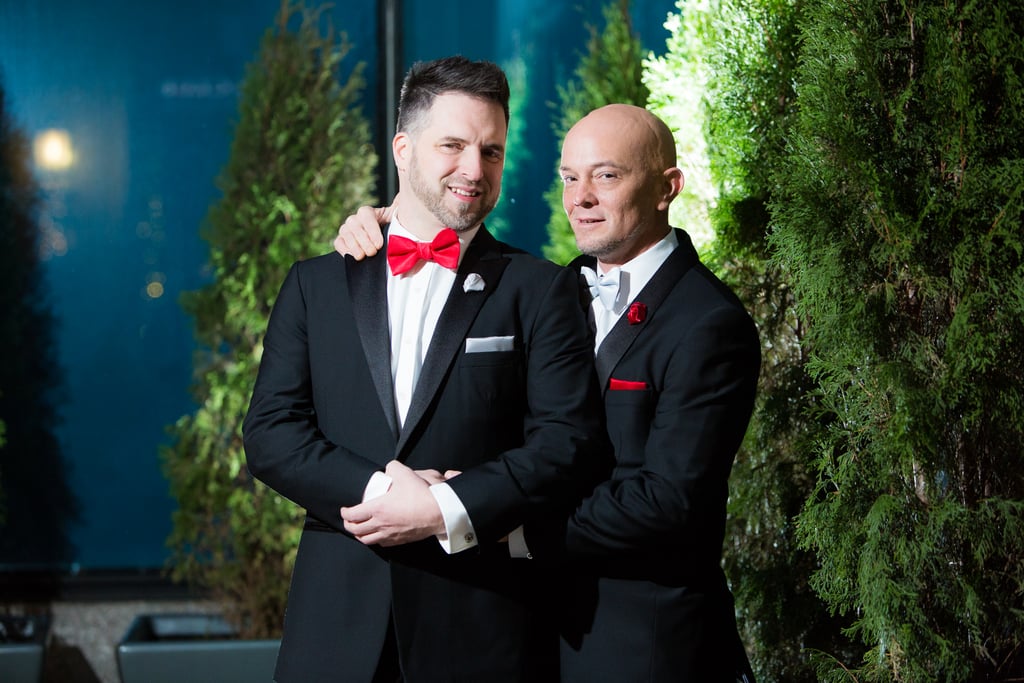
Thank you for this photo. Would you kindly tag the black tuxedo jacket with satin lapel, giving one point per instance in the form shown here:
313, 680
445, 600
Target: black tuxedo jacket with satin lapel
522, 423
678, 392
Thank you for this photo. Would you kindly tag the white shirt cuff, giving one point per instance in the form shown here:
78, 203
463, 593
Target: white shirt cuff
377, 486
459, 534
517, 544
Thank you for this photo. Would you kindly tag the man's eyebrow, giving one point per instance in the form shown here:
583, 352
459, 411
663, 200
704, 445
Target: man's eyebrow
463, 141
599, 164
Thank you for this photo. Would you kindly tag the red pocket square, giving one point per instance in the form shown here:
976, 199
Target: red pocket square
626, 385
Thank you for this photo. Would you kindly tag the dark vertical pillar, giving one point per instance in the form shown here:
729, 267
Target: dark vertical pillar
391, 70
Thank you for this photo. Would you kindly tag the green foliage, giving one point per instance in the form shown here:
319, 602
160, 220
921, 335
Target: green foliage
517, 152
611, 71
872, 227
897, 217
678, 80
301, 160
747, 51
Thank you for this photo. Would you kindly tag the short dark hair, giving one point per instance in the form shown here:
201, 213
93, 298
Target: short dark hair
426, 80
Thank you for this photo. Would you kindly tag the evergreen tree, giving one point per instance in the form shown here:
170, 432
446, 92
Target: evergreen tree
678, 82
301, 160
611, 71
897, 217
753, 51
517, 152
38, 504
725, 87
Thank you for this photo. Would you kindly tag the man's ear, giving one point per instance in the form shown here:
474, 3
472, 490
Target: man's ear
401, 148
672, 185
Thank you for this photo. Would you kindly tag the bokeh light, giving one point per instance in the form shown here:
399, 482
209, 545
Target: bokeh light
155, 285
53, 150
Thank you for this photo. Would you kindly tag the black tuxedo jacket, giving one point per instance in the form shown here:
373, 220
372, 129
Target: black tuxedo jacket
521, 422
678, 391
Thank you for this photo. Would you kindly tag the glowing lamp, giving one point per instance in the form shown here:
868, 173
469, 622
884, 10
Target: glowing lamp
53, 150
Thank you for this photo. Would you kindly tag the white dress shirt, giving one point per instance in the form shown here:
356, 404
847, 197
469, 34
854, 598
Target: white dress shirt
633, 277
415, 300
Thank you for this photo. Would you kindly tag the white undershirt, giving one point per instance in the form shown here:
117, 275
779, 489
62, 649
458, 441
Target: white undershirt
415, 301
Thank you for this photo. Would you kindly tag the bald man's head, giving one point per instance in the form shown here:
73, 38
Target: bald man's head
620, 176
641, 127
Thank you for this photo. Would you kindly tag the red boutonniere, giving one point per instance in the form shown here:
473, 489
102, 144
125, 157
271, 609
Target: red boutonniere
637, 313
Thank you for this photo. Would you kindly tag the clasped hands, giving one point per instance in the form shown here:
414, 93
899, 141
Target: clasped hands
408, 512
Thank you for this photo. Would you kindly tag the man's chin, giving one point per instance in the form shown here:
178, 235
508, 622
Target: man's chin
462, 221
599, 251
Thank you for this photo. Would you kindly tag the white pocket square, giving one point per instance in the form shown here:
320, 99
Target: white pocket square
473, 283
482, 344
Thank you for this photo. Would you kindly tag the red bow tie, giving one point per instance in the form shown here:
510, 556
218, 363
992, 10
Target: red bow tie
404, 253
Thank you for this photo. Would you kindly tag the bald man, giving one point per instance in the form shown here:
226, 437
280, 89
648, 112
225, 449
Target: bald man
678, 359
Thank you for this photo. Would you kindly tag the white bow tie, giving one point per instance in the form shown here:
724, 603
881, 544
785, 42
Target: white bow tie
605, 286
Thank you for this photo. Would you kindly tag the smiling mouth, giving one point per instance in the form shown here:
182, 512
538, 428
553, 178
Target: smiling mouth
464, 194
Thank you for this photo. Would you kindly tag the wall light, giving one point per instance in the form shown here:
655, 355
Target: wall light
53, 150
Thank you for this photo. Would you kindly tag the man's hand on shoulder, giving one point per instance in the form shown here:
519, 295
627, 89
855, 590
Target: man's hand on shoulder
360, 235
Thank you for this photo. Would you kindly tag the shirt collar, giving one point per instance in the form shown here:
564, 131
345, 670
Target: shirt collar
643, 267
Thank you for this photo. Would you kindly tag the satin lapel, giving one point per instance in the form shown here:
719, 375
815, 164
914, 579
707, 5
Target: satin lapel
484, 258
622, 335
367, 286
586, 300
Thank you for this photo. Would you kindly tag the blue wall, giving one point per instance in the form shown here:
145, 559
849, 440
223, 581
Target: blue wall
148, 93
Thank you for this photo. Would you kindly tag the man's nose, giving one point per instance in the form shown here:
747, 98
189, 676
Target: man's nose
471, 165
581, 194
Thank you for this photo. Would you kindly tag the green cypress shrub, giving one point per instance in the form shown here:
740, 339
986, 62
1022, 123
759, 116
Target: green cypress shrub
678, 82
725, 87
301, 160
517, 152
611, 71
753, 54
897, 217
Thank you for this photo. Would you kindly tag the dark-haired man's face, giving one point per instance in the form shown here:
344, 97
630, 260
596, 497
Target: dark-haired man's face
452, 163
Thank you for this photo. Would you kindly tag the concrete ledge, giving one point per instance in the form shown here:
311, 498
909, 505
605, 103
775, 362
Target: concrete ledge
22, 648
181, 648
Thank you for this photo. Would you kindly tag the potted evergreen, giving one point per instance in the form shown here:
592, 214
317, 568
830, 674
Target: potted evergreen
301, 160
